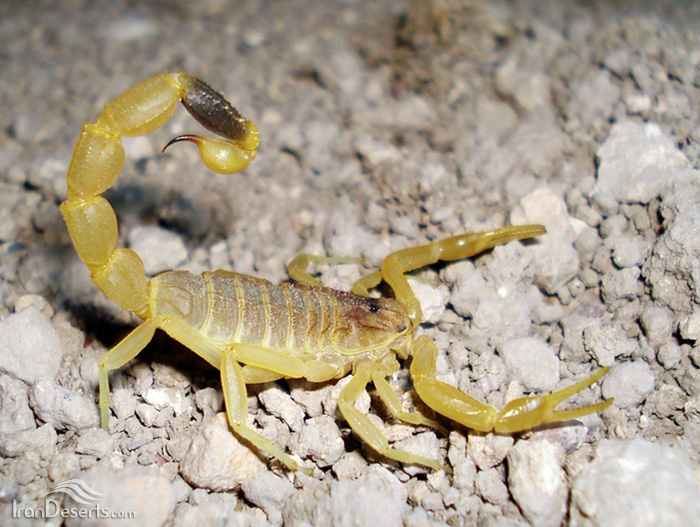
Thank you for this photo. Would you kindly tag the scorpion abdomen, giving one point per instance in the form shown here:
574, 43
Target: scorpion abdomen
232, 308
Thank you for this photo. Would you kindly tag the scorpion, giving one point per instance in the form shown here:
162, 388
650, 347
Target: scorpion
254, 331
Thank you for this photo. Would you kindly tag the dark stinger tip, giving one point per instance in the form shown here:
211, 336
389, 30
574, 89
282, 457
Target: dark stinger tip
186, 137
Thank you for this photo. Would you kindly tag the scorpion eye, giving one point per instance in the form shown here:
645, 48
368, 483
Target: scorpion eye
373, 306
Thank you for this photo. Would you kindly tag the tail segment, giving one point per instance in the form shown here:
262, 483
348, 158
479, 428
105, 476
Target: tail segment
99, 158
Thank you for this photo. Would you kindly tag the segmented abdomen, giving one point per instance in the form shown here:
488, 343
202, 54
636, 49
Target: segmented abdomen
231, 307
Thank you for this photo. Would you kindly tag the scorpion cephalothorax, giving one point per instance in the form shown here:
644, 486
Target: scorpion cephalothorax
255, 331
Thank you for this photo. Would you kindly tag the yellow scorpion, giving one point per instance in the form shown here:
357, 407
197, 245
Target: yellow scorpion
255, 331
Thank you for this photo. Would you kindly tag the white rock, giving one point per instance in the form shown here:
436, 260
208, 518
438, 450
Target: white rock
216, 513
29, 346
319, 439
371, 500
15, 414
532, 363
95, 442
629, 383
464, 475
607, 342
144, 493
160, 249
496, 297
635, 484
123, 403
161, 398
689, 326
216, 460
556, 260
569, 437
656, 323
673, 271
490, 486
60, 407
410, 112
424, 444
537, 481
209, 400
628, 251
42, 440
669, 355
625, 283
351, 465
432, 298
281, 405
269, 492
488, 450
147, 414
637, 160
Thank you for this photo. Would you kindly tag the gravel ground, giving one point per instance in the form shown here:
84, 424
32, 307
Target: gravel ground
384, 125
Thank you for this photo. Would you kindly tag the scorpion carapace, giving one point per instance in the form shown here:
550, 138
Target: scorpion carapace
255, 331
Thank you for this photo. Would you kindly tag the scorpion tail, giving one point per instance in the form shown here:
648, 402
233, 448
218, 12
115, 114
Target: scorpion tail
99, 158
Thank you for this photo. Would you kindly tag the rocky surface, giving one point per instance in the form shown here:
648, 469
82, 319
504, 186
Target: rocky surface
384, 125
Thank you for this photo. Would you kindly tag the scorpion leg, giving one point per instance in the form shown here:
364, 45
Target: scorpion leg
297, 267
119, 355
366, 429
395, 265
255, 375
518, 415
270, 363
393, 403
236, 398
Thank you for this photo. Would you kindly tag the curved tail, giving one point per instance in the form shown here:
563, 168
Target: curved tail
98, 160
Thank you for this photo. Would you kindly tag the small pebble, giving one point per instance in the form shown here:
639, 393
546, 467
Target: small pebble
555, 259
29, 346
635, 483
490, 486
62, 408
424, 444
669, 355
143, 492
689, 326
95, 442
319, 438
622, 284
371, 500
488, 450
628, 251
281, 405
162, 398
532, 362
656, 324
15, 414
42, 440
629, 383
432, 298
130, 27
637, 160
607, 342
537, 480
269, 492
160, 249
216, 460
